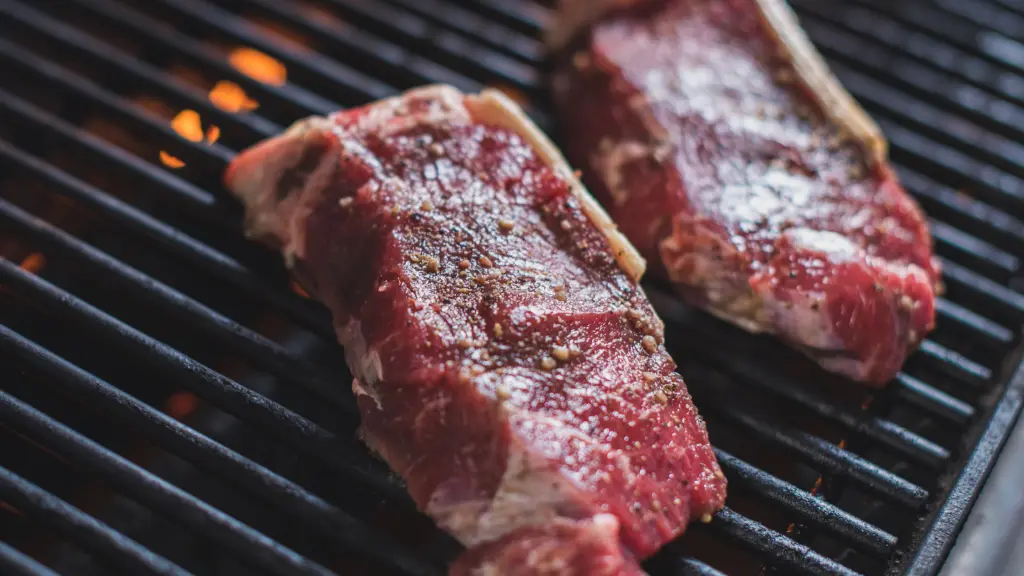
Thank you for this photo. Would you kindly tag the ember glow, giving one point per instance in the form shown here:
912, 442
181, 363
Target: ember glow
33, 263
227, 96
259, 66
231, 97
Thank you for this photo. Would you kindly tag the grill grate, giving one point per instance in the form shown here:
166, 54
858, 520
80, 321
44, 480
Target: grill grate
149, 296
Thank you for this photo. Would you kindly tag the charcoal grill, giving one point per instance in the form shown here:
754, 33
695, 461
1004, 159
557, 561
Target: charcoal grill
172, 405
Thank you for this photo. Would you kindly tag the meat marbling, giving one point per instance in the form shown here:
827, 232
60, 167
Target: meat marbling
739, 167
507, 364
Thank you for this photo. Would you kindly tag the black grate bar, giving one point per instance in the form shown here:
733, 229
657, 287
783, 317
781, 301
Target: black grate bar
1012, 301
896, 67
999, 186
92, 534
114, 61
955, 204
714, 338
932, 400
446, 48
996, 261
351, 85
465, 22
185, 195
295, 100
393, 64
832, 459
820, 513
257, 349
897, 104
996, 333
212, 386
932, 551
150, 490
302, 312
783, 551
954, 364
212, 456
525, 16
212, 157
15, 563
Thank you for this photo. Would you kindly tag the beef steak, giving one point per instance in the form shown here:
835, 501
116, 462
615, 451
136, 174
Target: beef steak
507, 364
724, 149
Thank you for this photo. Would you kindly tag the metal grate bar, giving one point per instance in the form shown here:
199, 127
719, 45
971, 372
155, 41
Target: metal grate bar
194, 447
150, 490
260, 351
832, 459
294, 100
465, 22
114, 61
979, 215
1013, 302
954, 364
976, 323
216, 388
113, 546
932, 400
303, 312
982, 255
212, 157
786, 552
196, 201
332, 77
14, 563
820, 513
713, 342
524, 16
422, 37
392, 63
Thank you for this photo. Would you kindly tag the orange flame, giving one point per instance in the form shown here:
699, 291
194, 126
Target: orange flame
227, 96
33, 263
258, 66
231, 97
189, 126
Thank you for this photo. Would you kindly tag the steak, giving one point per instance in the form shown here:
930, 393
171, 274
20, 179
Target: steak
739, 167
507, 364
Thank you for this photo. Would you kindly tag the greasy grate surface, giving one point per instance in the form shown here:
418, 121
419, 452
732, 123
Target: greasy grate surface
143, 338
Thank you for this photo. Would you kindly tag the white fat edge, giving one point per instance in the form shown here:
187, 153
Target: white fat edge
364, 363
391, 115
255, 186
493, 107
609, 164
532, 492
811, 69
727, 297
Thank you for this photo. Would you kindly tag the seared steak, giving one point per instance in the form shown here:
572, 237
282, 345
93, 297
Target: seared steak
728, 154
507, 364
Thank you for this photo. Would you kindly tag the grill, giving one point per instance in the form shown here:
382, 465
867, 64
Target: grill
171, 404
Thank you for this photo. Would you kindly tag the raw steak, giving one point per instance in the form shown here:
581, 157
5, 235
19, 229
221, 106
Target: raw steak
724, 149
507, 364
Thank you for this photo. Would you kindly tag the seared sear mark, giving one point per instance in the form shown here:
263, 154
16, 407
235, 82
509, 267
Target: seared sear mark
739, 167
507, 364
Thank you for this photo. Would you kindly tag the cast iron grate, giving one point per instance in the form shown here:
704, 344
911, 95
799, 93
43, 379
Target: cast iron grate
170, 406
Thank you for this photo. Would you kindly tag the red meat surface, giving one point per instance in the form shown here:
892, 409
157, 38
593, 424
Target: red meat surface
763, 198
507, 366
